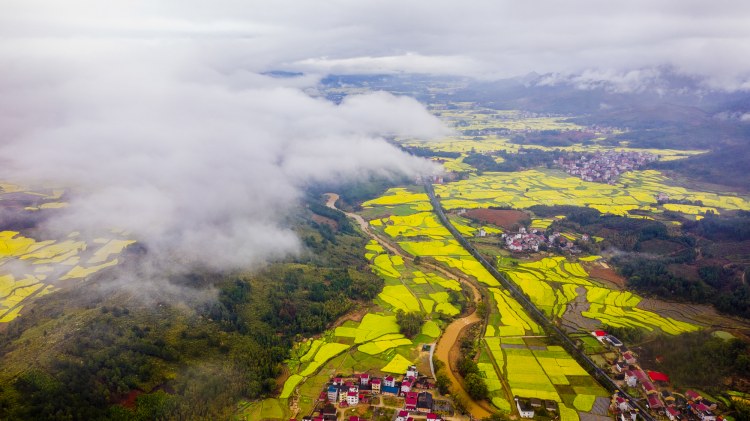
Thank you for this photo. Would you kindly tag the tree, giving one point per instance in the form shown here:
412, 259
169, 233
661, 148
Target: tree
442, 382
410, 324
475, 387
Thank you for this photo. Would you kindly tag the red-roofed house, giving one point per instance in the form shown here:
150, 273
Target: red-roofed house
649, 388
364, 379
629, 357
622, 404
693, 395
405, 386
389, 381
641, 376
410, 401
673, 413
658, 377
375, 383
352, 398
433, 417
654, 402
599, 333
403, 416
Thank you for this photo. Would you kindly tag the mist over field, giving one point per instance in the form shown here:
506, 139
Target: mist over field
200, 166
159, 117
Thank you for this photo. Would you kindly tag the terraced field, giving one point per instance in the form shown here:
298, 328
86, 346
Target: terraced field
554, 283
37, 265
549, 187
528, 370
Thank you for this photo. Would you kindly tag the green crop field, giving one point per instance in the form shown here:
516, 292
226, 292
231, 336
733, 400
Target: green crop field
552, 283
548, 187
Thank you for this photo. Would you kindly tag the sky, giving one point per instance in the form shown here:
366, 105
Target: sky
483, 38
157, 117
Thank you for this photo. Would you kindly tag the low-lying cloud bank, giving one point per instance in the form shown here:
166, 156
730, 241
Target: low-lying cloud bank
199, 163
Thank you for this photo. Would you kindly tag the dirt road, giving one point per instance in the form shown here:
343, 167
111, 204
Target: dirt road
450, 336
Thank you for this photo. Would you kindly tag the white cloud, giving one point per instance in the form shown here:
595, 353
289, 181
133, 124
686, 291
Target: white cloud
200, 162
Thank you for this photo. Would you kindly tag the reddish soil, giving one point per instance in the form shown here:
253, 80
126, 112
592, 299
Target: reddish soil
500, 217
596, 270
128, 401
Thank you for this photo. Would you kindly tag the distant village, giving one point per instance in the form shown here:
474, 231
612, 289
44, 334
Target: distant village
412, 389
605, 167
533, 239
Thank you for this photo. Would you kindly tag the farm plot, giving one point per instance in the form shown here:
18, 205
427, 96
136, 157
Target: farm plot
533, 187
528, 374
74, 259
552, 283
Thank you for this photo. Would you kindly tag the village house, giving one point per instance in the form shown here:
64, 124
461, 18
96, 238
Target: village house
364, 379
613, 341
654, 402
412, 372
375, 384
390, 390
599, 335
352, 398
673, 413
424, 402
403, 416
642, 377
629, 357
550, 405
622, 404
630, 379
524, 409
389, 381
693, 395
658, 377
410, 401
434, 417
405, 386
649, 388
701, 411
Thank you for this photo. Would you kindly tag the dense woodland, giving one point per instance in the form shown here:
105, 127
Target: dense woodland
704, 262
712, 360
183, 360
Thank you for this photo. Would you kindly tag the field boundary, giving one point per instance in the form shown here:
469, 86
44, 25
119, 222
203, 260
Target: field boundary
599, 374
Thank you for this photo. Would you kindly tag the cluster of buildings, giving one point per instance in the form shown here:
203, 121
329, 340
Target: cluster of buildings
605, 167
531, 240
528, 407
349, 392
654, 386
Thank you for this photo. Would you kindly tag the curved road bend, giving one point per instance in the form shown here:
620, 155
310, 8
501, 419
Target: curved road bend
450, 335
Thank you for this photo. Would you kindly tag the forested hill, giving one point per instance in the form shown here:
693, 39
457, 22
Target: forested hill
87, 353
